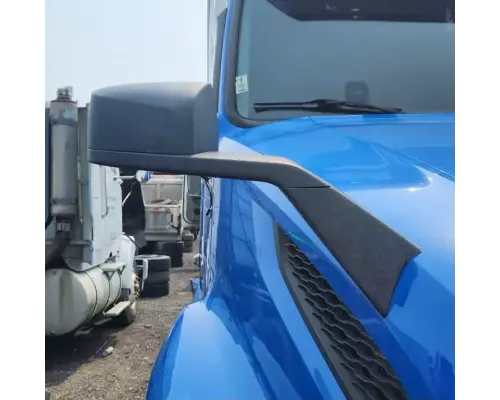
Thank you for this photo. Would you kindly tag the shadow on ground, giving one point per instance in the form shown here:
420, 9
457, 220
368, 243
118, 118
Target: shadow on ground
64, 355
76, 370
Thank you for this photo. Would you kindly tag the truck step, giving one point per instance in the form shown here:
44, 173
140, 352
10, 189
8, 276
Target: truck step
117, 309
113, 267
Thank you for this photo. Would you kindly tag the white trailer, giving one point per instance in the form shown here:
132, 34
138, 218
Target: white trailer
166, 231
162, 196
90, 271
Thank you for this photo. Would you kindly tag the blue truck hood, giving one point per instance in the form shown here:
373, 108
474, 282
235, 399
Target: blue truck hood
402, 170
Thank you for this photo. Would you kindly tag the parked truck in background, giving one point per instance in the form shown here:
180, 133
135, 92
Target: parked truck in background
91, 237
166, 230
326, 137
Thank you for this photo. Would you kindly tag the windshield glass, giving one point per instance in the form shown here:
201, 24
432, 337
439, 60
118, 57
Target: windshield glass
388, 53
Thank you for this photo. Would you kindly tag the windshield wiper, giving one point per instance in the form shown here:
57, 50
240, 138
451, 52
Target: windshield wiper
327, 106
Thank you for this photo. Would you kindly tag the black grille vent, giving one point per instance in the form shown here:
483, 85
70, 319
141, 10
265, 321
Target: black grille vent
356, 361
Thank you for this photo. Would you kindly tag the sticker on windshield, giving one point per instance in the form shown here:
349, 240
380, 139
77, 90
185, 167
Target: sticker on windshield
241, 84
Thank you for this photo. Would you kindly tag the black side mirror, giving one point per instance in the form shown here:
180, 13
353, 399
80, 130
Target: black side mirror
172, 128
170, 119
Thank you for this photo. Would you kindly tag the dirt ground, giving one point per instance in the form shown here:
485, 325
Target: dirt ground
76, 368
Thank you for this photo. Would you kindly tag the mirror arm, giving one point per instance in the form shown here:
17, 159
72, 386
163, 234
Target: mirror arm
371, 252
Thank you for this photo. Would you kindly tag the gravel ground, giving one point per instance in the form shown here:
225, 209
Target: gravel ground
76, 369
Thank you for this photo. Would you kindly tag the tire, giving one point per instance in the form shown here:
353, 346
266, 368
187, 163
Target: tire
127, 317
156, 262
157, 281
188, 247
157, 290
157, 278
173, 249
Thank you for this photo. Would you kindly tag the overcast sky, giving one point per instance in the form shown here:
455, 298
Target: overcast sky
94, 43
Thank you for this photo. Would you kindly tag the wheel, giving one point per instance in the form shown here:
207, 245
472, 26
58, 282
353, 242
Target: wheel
174, 250
127, 317
157, 289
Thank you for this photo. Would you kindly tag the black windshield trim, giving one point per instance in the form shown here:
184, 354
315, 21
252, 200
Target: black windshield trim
221, 26
389, 11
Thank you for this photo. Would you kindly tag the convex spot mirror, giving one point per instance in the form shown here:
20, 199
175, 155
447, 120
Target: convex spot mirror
142, 176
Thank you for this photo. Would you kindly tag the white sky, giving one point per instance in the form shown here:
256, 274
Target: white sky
94, 43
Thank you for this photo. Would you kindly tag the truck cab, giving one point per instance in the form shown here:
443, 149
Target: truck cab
327, 204
94, 226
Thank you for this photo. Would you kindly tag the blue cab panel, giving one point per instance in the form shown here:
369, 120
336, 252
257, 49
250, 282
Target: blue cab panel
244, 289
245, 335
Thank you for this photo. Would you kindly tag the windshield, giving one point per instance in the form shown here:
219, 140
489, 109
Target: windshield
388, 53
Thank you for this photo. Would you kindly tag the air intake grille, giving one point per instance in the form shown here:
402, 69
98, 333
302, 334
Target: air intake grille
356, 361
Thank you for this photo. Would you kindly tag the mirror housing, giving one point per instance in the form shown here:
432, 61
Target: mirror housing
172, 128
175, 119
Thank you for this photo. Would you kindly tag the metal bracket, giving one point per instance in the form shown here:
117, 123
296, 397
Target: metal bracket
198, 260
111, 268
144, 266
